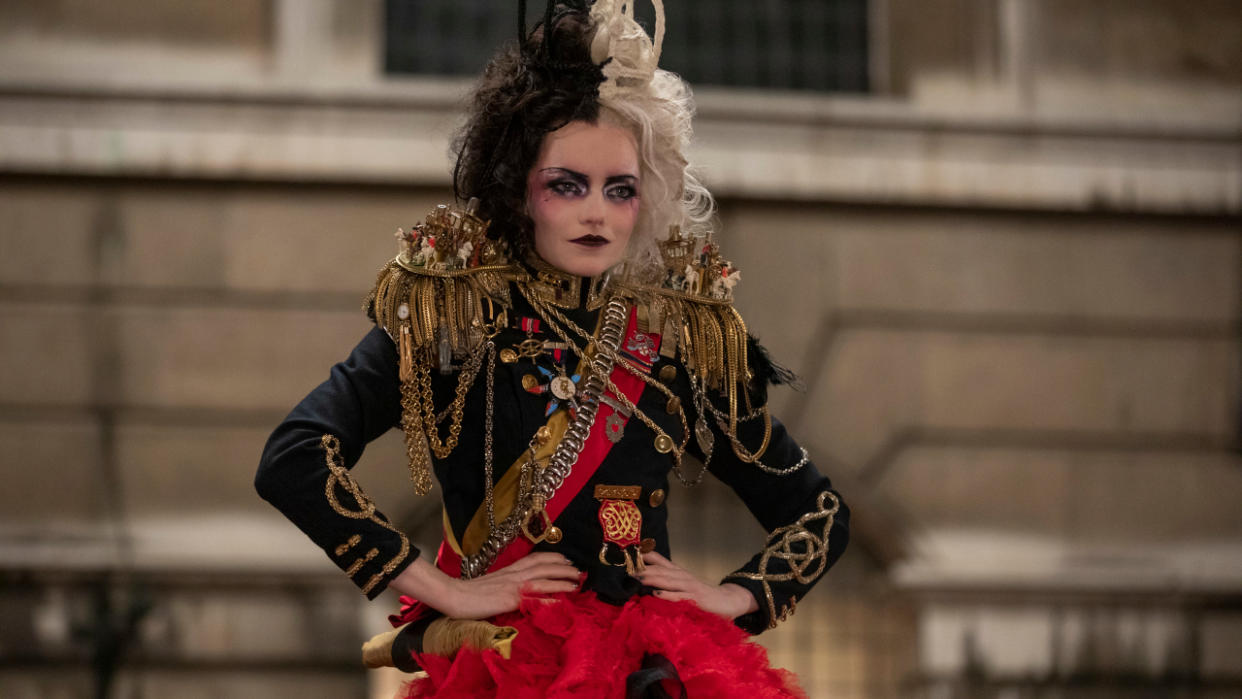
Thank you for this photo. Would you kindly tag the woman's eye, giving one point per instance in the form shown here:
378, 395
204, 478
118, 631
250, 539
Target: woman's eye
565, 187
622, 192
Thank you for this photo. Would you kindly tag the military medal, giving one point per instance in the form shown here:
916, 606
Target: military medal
643, 349
622, 524
614, 425
563, 388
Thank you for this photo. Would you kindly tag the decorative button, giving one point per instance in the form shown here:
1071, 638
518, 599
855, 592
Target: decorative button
543, 434
646, 545
529, 382
663, 443
668, 373
657, 497
508, 356
554, 535
673, 405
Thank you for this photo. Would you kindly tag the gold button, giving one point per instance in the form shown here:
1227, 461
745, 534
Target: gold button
663, 443
554, 535
657, 497
646, 545
508, 356
668, 373
529, 382
673, 405
543, 434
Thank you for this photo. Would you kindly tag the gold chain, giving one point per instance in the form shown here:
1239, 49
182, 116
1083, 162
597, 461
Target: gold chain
426, 406
678, 449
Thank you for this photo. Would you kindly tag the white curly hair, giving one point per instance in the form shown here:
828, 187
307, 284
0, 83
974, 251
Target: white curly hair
657, 107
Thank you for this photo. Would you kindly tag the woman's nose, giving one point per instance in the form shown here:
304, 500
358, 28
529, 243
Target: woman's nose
593, 208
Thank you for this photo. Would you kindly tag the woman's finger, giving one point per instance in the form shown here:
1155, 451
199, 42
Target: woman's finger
544, 587
675, 596
551, 570
654, 558
535, 559
657, 578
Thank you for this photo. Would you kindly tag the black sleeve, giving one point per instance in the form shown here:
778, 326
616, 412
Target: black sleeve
806, 520
304, 468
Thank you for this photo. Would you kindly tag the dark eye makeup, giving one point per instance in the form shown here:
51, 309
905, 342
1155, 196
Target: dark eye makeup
567, 182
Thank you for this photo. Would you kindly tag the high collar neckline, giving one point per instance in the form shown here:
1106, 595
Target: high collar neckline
562, 289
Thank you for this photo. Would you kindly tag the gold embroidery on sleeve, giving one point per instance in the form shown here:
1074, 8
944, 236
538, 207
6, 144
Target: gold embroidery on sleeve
357, 565
353, 541
340, 477
805, 565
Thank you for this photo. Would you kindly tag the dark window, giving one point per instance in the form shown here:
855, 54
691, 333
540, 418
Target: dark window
780, 44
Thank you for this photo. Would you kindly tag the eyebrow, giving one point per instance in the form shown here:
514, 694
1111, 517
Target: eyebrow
582, 178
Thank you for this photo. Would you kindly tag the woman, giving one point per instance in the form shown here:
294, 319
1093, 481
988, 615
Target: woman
552, 352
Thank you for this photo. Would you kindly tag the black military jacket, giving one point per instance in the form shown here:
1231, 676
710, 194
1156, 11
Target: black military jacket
361, 400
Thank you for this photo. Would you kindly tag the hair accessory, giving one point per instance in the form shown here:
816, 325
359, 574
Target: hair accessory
619, 37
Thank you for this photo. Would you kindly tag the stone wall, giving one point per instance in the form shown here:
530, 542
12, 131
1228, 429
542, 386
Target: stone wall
1011, 282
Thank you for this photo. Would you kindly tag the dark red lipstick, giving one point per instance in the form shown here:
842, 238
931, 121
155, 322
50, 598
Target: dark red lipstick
592, 241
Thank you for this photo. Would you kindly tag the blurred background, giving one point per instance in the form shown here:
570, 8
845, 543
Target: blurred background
1000, 241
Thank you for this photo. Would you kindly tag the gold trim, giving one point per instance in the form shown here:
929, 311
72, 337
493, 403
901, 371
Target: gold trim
357, 565
805, 566
618, 492
339, 475
352, 542
403, 261
562, 289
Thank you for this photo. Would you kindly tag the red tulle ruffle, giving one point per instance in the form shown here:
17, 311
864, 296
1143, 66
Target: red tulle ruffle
577, 646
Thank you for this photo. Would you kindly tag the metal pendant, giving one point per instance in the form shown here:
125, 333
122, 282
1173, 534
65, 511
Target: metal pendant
703, 435
614, 427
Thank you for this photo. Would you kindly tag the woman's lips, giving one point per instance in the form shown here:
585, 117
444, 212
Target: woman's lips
591, 241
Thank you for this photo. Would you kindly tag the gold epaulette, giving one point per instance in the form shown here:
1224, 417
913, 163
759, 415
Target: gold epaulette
446, 284
439, 299
707, 334
430, 310
691, 305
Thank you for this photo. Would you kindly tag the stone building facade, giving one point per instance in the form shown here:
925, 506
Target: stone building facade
1010, 277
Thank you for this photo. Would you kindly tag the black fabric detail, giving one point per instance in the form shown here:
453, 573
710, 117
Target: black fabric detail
650, 681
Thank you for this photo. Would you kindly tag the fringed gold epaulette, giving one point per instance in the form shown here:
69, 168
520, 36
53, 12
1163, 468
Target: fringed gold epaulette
439, 299
691, 307
447, 283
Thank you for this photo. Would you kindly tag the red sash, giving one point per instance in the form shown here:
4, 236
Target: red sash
593, 453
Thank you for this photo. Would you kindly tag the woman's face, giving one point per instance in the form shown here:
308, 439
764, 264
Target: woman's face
582, 194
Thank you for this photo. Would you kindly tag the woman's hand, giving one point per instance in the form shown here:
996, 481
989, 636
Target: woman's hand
676, 583
490, 594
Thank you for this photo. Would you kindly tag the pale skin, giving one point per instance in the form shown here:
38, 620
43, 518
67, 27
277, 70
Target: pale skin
583, 194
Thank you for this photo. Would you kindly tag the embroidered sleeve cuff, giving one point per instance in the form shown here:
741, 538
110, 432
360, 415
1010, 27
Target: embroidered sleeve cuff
761, 620
378, 551
794, 559
372, 567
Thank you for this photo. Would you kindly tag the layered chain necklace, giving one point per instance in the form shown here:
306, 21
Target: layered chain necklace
549, 475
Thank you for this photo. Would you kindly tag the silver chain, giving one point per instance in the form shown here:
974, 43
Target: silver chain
567, 450
702, 402
489, 496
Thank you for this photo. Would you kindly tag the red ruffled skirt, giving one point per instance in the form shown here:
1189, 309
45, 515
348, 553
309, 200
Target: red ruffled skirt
577, 646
